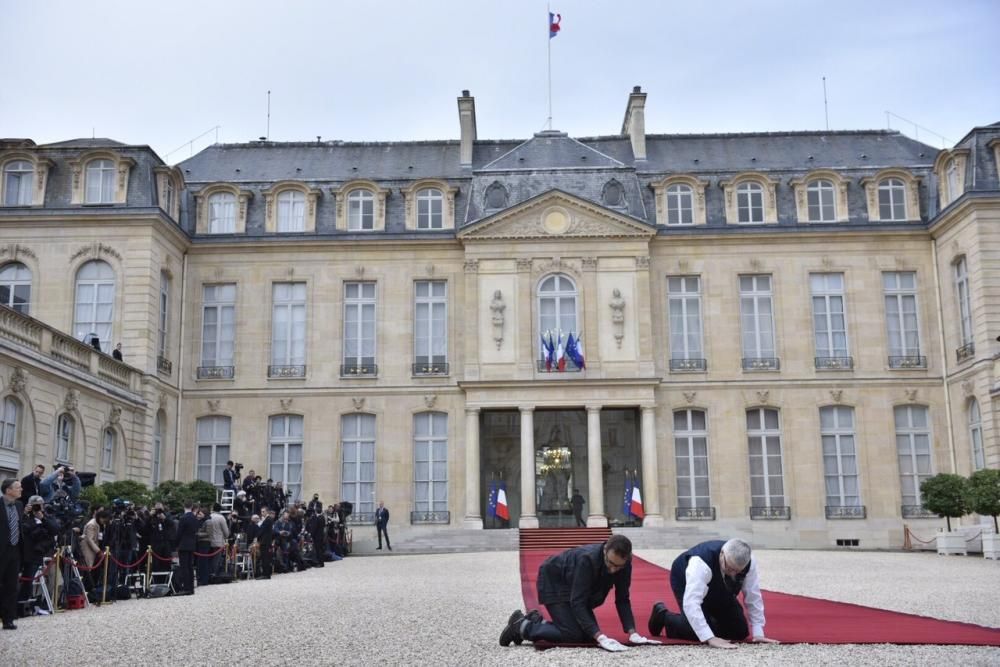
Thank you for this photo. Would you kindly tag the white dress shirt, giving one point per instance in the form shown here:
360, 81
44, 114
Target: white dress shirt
698, 575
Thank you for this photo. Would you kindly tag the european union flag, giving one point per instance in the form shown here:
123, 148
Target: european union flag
627, 503
491, 504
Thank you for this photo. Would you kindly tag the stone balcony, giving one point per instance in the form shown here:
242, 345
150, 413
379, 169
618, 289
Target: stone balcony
44, 343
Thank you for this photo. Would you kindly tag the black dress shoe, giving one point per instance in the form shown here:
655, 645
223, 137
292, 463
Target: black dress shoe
378, 549
656, 619
9, 626
512, 633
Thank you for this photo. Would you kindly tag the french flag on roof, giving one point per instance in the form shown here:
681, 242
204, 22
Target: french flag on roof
554, 20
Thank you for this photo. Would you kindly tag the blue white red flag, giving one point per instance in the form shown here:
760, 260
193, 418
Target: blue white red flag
501, 508
554, 20
636, 505
560, 355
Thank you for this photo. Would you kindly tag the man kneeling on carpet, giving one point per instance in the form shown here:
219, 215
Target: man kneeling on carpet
571, 585
706, 580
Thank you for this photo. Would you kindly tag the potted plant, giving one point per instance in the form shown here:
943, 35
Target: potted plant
944, 494
983, 497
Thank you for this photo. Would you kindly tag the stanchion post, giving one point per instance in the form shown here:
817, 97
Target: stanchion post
104, 586
149, 567
55, 598
906, 538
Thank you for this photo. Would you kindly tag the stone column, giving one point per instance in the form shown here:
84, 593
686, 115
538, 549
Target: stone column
472, 518
650, 470
595, 469
528, 517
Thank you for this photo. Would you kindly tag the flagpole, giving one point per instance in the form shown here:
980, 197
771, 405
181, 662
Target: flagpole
548, 38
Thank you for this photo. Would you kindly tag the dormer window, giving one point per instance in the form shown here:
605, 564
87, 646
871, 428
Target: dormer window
820, 201
680, 204
360, 211
291, 211
891, 199
430, 209
750, 203
100, 182
222, 213
19, 177
613, 195
496, 196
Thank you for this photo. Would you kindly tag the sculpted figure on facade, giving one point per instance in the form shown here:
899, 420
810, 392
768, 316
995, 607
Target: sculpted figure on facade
497, 307
617, 305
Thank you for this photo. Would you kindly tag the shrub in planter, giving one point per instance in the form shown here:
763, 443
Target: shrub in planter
945, 495
983, 494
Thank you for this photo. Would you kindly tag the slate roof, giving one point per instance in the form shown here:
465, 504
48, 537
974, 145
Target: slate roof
551, 150
84, 143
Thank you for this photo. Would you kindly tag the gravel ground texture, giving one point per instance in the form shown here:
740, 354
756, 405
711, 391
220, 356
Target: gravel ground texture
450, 609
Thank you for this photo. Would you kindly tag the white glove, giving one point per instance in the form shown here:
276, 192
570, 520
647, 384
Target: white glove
609, 644
636, 638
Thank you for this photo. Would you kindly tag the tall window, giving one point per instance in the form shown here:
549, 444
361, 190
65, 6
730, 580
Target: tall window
767, 485
163, 342
750, 202
286, 453
964, 305
358, 475
820, 201
19, 178
891, 199
430, 207
291, 211
170, 196
430, 338
430, 462
100, 182
360, 210
222, 213
829, 321
684, 304
218, 325
691, 459
359, 325
757, 317
108, 450
913, 445
900, 291
95, 301
15, 287
157, 446
213, 448
951, 178
975, 435
64, 438
840, 456
288, 325
8, 425
680, 205
557, 307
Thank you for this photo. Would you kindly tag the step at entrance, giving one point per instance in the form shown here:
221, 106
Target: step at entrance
558, 539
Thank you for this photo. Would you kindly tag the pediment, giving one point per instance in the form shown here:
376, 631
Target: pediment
555, 216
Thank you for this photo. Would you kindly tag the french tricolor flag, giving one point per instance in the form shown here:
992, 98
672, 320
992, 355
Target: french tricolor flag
501, 509
636, 505
554, 20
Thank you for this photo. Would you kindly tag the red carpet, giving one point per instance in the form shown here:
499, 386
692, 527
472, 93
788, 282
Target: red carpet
792, 619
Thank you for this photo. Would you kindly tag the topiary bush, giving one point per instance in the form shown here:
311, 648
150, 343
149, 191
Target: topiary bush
983, 494
944, 494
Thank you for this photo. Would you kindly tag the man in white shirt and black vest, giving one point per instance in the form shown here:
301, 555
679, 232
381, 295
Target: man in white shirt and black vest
706, 580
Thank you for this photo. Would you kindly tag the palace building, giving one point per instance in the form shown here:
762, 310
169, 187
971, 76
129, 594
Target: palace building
775, 334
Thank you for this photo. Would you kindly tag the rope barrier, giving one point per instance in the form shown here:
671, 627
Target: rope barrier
85, 568
38, 577
911, 534
974, 536
161, 558
130, 566
209, 555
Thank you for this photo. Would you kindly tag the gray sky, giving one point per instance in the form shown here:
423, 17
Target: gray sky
162, 73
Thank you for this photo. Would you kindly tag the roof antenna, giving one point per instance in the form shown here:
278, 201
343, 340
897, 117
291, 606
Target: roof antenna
268, 133
826, 111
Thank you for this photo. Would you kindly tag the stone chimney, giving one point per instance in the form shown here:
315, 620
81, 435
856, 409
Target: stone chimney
634, 125
467, 121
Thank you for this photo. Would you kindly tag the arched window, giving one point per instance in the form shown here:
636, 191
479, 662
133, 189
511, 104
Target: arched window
157, 446
64, 438
15, 287
680, 204
100, 182
750, 202
222, 213
976, 435
291, 211
286, 453
913, 447
360, 210
19, 178
430, 208
108, 443
820, 200
8, 423
358, 462
430, 462
891, 199
691, 459
557, 309
840, 456
95, 300
212, 435
767, 484
951, 178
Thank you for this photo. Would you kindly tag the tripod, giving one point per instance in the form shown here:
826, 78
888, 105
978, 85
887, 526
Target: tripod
70, 578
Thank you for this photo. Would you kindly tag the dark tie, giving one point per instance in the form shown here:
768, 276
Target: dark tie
12, 521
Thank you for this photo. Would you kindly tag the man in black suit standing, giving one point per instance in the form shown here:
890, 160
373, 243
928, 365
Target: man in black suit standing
265, 536
10, 550
187, 540
381, 525
229, 477
29, 485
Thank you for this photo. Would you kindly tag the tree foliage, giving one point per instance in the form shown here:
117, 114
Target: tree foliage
136, 493
983, 494
944, 494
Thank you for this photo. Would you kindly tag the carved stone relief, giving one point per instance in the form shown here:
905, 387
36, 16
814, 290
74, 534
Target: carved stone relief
617, 305
497, 307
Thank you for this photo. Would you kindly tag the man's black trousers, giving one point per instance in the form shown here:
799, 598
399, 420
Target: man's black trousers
10, 568
564, 628
186, 559
723, 612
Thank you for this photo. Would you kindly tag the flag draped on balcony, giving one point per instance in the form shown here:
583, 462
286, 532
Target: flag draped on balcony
574, 351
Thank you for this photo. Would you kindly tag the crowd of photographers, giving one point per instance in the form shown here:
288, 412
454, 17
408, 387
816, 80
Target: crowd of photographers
273, 534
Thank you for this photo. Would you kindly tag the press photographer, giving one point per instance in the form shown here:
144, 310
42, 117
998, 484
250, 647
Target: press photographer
38, 535
231, 475
62, 483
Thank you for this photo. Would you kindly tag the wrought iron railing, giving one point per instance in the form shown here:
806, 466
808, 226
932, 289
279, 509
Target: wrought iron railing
965, 352
688, 365
910, 361
216, 372
694, 513
761, 363
362, 519
846, 512
358, 370
775, 512
570, 367
917, 512
834, 363
430, 517
164, 365
430, 369
286, 371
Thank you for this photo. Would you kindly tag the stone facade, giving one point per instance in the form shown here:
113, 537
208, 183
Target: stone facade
329, 330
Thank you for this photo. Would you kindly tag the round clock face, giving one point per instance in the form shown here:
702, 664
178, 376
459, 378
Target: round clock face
555, 222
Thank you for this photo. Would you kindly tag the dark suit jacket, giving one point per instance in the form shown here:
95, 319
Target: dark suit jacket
29, 487
187, 532
265, 534
382, 517
5, 546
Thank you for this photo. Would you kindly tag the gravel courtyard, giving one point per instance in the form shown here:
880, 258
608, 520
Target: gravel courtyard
450, 609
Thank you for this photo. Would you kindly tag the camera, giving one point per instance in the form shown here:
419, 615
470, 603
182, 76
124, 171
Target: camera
36, 508
238, 466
